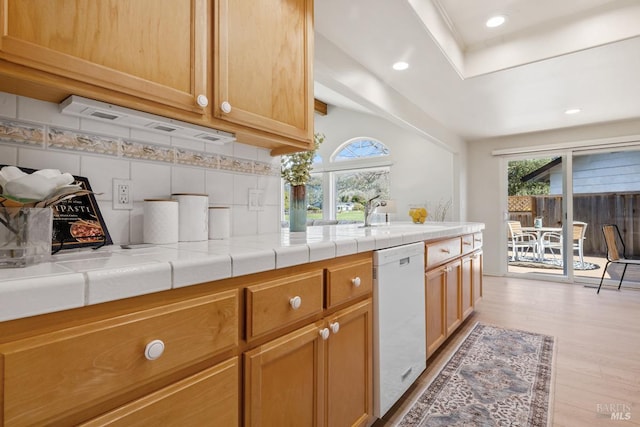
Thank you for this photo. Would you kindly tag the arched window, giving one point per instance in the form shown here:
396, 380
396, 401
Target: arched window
360, 148
358, 170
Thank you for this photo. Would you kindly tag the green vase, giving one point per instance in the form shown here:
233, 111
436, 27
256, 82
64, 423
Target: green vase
298, 208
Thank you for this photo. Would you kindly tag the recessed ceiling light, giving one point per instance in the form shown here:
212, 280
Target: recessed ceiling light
573, 111
400, 66
496, 21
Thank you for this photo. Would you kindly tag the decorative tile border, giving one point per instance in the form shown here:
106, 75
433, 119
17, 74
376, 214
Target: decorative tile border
68, 140
22, 133
56, 138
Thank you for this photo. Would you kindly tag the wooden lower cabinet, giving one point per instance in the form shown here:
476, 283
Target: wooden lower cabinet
435, 299
210, 397
349, 367
467, 286
476, 277
443, 308
452, 288
305, 379
453, 313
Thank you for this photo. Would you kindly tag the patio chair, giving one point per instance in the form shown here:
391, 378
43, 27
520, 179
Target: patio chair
520, 240
611, 238
553, 240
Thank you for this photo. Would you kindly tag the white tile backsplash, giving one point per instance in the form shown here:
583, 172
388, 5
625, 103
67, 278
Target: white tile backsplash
8, 155
102, 171
37, 159
241, 186
219, 187
245, 151
150, 180
8, 105
44, 112
243, 221
187, 180
151, 177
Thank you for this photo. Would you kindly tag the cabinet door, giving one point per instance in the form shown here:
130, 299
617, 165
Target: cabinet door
284, 380
476, 276
151, 49
263, 65
466, 286
435, 294
453, 280
349, 366
66, 376
195, 401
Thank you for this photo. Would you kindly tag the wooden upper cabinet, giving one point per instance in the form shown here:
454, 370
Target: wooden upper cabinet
155, 50
263, 65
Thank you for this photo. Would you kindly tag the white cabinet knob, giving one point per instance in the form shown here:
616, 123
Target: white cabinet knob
154, 350
356, 281
202, 100
335, 327
295, 302
324, 333
225, 107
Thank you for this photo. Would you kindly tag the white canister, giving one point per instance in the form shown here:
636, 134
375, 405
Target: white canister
160, 221
219, 223
193, 216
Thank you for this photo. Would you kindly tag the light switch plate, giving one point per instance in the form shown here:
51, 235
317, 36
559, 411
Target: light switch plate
256, 199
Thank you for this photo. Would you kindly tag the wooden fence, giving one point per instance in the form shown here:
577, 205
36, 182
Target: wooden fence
596, 210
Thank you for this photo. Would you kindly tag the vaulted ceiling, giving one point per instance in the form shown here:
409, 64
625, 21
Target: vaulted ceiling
479, 82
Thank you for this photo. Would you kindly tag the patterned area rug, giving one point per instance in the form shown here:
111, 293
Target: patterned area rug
551, 263
496, 377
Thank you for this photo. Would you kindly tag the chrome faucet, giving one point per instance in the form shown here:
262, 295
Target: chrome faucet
369, 206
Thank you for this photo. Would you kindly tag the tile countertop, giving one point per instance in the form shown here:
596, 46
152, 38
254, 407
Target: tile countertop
87, 277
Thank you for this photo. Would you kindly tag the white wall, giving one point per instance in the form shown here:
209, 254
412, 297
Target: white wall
225, 185
486, 200
422, 171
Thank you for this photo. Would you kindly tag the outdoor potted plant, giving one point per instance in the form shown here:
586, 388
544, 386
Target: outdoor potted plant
296, 170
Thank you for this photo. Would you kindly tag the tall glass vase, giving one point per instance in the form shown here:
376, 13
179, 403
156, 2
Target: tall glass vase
298, 208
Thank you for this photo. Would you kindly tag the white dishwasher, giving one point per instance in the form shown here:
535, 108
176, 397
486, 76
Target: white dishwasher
399, 337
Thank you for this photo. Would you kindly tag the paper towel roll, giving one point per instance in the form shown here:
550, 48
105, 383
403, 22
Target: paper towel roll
219, 223
193, 216
160, 221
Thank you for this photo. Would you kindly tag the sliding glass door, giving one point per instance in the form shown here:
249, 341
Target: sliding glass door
606, 190
557, 205
534, 220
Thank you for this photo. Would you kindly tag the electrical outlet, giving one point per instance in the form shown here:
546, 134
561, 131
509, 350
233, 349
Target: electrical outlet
122, 195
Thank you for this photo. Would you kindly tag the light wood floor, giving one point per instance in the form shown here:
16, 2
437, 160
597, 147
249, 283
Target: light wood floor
597, 346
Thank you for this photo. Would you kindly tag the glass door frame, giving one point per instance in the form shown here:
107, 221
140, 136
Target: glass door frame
567, 212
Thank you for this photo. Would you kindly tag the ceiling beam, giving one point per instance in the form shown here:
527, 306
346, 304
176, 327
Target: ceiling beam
320, 107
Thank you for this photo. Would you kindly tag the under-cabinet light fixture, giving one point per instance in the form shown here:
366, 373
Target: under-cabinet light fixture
101, 111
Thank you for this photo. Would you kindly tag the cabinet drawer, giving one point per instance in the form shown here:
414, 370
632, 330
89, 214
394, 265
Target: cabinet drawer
440, 252
50, 377
477, 240
280, 302
195, 401
467, 243
348, 281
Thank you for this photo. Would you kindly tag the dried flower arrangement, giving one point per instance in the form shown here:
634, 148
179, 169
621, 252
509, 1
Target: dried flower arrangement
296, 167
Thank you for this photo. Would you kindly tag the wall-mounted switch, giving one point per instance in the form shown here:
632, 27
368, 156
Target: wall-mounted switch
256, 200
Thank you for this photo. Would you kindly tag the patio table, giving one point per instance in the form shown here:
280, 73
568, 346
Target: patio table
538, 231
